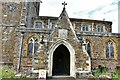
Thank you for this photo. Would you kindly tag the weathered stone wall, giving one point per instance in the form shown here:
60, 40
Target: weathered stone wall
118, 66
8, 45
98, 54
11, 13
11, 41
30, 12
97, 43
119, 50
98, 51
0, 34
26, 60
108, 27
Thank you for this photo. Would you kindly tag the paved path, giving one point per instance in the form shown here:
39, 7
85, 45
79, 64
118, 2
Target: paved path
61, 78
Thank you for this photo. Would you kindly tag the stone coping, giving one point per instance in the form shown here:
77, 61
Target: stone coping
47, 31
106, 34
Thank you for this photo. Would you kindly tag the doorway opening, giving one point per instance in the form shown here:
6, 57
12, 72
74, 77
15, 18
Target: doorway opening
61, 61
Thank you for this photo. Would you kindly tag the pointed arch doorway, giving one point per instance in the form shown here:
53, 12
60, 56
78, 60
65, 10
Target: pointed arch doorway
61, 61
69, 54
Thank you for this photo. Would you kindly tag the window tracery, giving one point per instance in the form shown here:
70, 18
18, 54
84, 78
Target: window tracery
109, 50
33, 46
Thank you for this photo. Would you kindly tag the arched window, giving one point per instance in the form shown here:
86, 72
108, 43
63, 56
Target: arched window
30, 47
36, 46
33, 46
88, 48
109, 50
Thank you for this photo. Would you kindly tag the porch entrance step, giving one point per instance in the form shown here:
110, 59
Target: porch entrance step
61, 78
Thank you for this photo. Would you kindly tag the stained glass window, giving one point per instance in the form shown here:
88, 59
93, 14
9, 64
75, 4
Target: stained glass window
32, 46
109, 50
36, 46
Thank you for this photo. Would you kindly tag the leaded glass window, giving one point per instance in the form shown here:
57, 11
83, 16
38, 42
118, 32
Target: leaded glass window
33, 46
36, 46
87, 47
109, 50
30, 47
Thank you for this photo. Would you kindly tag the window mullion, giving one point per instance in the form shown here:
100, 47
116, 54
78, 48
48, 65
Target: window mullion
33, 48
109, 50
33, 63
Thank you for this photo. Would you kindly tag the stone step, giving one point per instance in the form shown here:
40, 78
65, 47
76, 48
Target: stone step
61, 78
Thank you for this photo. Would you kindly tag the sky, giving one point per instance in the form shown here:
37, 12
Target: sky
83, 9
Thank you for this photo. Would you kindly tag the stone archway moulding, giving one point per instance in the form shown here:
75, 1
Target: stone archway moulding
72, 56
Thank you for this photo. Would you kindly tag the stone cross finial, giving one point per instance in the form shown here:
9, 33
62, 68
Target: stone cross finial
64, 4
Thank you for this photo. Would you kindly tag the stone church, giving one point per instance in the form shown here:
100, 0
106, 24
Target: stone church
62, 46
